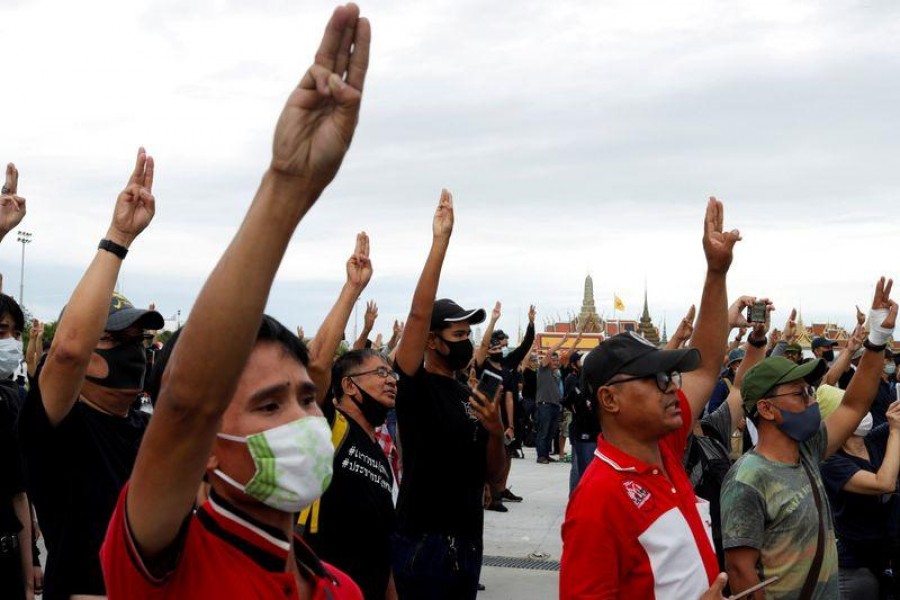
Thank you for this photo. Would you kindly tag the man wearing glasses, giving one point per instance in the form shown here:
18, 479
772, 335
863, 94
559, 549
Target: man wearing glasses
351, 526
776, 520
634, 528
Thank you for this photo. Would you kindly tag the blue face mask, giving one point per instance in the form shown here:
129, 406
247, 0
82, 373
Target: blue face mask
801, 426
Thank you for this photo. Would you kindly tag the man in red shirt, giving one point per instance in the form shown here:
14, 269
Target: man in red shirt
236, 401
634, 528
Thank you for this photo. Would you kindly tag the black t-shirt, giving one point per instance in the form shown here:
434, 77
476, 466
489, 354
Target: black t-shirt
74, 473
585, 417
529, 383
356, 513
12, 481
860, 520
444, 454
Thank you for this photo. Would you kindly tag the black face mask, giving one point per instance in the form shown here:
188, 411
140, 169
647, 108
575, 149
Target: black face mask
459, 355
496, 357
828, 355
127, 365
374, 411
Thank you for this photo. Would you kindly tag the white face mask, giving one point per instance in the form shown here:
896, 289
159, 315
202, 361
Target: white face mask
865, 426
10, 356
293, 463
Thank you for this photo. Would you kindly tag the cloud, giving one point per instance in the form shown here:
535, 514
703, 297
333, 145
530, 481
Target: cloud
576, 136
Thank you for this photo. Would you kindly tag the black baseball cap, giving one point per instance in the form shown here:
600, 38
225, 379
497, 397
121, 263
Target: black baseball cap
821, 342
630, 354
123, 314
446, 312
499, 336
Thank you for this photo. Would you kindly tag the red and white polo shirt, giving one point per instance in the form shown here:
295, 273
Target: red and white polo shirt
226, 554
632, 532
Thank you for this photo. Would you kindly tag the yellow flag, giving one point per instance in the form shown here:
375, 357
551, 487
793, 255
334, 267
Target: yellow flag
619, 305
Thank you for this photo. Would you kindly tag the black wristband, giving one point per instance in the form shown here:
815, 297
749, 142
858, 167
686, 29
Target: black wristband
111, 246
873, 347
758, 343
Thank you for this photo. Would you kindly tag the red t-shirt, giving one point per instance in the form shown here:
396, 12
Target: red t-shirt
631, 532
225, 555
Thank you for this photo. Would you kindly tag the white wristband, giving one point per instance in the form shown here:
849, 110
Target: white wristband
878, 335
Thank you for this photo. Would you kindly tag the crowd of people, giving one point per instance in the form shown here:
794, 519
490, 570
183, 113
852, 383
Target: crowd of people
240, 460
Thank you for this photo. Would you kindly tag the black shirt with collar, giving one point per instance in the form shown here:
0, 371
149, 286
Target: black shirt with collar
444, 458
74, 473
356, 513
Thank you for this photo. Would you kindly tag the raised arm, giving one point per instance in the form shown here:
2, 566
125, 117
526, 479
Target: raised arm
368, 324
311, 139
711, 331
684, 331
328, 338
85, 314
12, 206
864, 385
481, 352
410, 351
35, 348
755, 352
515, 357
842, 362
545, 361
885, 480
395, 335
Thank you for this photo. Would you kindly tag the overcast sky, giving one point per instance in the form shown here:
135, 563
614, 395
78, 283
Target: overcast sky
577, 137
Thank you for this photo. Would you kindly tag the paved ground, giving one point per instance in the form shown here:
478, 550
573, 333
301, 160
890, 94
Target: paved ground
529, 527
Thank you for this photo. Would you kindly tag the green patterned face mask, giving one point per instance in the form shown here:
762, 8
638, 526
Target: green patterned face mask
293, 463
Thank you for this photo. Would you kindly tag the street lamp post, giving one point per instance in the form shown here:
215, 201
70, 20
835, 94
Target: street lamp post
24, 238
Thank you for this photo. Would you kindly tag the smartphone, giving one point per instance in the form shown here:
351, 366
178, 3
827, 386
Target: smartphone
755, 588
756, 312
488, 383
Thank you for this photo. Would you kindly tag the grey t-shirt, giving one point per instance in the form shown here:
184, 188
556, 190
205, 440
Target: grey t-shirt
769, 506
549, 385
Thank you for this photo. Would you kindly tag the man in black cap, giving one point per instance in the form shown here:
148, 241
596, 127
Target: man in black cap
633, 527
79, 434
776, 520
823, 348
491, 356
452, 442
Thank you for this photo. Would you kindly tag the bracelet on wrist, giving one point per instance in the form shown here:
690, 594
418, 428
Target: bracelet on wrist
112, 247
760, 343
873, 347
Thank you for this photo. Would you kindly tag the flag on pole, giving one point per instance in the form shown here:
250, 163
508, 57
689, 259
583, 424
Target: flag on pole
617, 302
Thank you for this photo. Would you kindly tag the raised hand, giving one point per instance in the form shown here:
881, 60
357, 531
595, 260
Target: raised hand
860, 317
531, 314
12, 206
759, 330
495, 314
685, 328
882, 302
378, 344
359, 267
442, 226
856, 339
317, 124
371, 315
736, 318
300, 333
398, 329
790, 327
37, 328
718, 245
135, 205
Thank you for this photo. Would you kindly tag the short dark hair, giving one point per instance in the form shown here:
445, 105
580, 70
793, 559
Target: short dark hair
10, 307
269, 330
347, 363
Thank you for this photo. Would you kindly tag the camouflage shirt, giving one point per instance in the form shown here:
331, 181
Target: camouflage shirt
769, 506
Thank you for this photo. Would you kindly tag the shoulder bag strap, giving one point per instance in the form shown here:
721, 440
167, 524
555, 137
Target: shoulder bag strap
812, 577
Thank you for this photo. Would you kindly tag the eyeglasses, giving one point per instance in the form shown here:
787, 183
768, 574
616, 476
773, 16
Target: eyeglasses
662, 380
382, 372
807, 393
